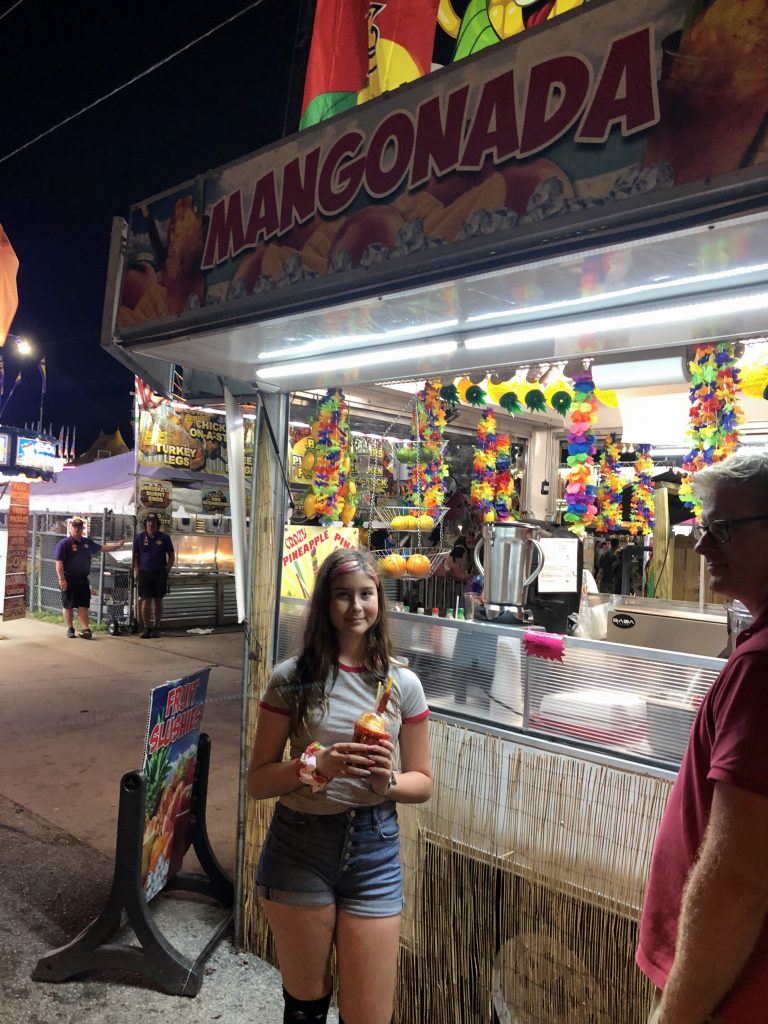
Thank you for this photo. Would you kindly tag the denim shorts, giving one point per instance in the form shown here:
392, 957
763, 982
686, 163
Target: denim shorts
350, 859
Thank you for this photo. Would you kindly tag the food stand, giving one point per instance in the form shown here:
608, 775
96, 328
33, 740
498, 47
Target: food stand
531, 205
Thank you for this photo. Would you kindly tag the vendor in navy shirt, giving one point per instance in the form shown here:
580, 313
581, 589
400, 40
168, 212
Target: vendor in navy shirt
153, 558
73, 564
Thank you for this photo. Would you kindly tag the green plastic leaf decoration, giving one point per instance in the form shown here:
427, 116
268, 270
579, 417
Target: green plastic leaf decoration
476, 32
326, 105
535, 400
561, 402
509, 403
476, 396
449, 394
765, 393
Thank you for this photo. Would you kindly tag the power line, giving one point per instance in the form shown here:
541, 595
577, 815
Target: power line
13, 8
131, 81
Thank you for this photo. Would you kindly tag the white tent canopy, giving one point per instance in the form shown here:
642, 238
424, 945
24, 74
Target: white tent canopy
105, 483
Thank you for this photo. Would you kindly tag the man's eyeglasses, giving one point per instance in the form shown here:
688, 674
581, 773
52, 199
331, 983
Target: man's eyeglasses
720, 529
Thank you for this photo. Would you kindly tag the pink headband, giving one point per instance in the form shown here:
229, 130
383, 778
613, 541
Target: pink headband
353, 565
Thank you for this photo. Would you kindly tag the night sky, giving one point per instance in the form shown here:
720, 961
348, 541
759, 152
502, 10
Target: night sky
225, 97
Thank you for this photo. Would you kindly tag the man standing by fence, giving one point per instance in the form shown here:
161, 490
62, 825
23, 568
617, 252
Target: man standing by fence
73, 566
153, 558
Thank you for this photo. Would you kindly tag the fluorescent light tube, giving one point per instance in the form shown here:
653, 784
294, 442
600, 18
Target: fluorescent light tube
647, 290
328, 344
639, 373
619, 322
352, 360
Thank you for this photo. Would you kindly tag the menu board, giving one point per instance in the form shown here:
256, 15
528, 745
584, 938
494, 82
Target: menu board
561, 566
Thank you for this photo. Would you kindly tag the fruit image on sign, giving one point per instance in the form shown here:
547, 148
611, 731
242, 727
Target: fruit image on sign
170, 758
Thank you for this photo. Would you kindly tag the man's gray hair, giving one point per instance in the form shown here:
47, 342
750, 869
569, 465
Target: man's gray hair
745, 466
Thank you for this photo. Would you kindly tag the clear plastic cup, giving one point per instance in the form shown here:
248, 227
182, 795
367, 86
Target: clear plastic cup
370, 728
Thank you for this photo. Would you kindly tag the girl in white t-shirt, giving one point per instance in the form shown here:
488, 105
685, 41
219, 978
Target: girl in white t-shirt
329, 873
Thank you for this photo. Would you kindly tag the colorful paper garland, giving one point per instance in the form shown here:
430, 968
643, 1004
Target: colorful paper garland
714, 415
579, 489
482, 492
642, 503
426, 478
330, 494
504, 484
609, 515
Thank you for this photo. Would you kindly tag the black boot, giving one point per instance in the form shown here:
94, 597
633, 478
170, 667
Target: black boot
311, 1011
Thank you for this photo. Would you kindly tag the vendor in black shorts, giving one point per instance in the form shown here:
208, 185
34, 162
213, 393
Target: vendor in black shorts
153, 558
73, 564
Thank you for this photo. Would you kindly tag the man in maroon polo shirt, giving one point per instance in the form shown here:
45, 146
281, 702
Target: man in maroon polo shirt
704, 930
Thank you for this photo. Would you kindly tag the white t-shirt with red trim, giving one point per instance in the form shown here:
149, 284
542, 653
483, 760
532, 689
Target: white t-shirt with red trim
349, 695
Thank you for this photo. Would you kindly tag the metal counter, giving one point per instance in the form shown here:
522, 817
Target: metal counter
635, 704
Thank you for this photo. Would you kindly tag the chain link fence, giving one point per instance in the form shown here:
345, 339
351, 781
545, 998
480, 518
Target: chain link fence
111, 588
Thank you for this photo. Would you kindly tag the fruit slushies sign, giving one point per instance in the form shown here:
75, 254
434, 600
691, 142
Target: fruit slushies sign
572, 115
305, 548
170, 757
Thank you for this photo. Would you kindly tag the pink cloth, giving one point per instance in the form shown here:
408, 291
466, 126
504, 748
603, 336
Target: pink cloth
544, 645
9, 296
728, 743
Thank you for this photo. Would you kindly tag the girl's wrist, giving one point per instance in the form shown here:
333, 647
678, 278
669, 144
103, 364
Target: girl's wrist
308, 772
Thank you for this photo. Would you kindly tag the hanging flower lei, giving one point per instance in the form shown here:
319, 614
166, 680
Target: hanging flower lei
642, 492
331, 456
426, 478
504, 484
714, 415
609, 489
483, 490
579, 491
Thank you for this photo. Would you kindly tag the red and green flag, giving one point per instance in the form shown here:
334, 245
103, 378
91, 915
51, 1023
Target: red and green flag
361, 49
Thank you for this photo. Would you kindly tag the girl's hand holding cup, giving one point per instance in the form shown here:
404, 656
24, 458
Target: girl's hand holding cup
346, 761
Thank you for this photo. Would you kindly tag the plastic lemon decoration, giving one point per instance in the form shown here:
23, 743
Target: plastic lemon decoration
609, 398
347, 514
462, 387
418, 565
393, 565
310, 506
495, 391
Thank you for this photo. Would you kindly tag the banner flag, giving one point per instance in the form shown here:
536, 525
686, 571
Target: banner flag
9, 296
361, 50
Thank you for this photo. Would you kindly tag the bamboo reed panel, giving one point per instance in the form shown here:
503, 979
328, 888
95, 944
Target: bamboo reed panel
663, 558
255, 932
529, 874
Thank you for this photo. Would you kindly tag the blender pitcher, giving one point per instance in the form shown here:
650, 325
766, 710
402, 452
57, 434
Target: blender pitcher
507, 548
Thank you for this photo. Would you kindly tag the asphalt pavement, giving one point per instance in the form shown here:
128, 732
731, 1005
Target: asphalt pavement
74, 721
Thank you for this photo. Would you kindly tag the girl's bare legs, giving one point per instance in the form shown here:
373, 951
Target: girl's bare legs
303, 936
366, 955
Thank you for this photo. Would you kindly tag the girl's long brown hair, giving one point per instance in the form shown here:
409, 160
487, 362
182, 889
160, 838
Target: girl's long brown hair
319, 658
